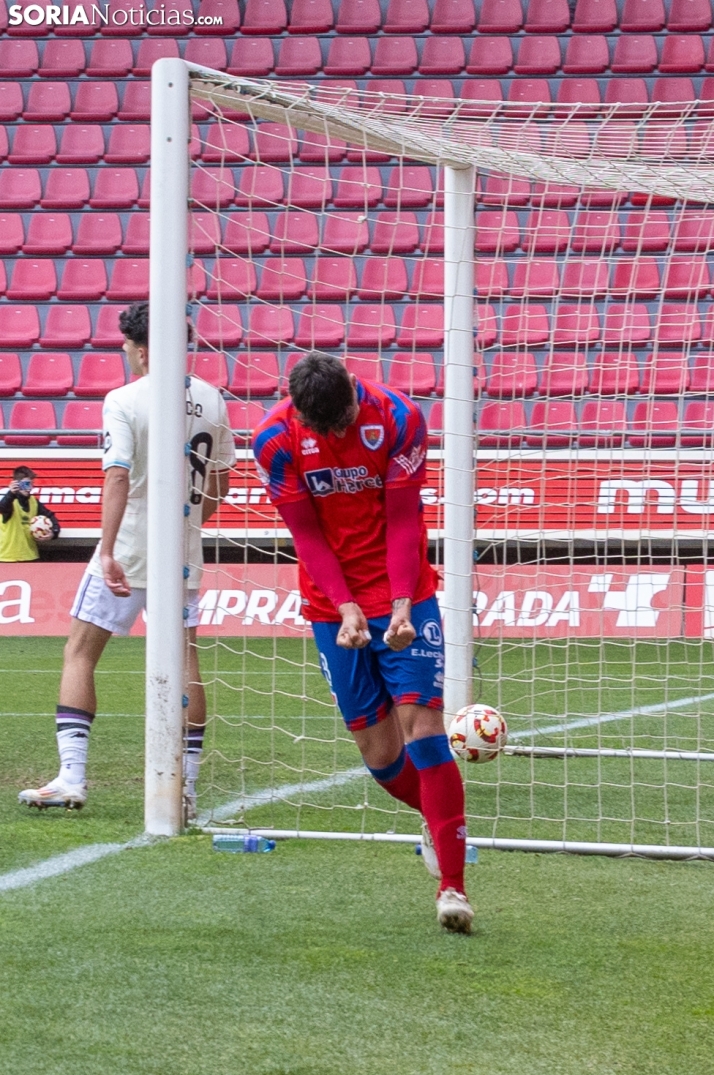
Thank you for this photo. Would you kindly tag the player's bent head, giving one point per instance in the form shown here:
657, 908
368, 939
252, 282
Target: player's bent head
322, 391
134, 324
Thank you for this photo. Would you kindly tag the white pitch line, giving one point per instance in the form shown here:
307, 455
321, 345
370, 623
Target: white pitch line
82, 856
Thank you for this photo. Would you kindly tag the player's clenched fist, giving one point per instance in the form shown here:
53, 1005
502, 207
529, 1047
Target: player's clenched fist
354, 630
401, 632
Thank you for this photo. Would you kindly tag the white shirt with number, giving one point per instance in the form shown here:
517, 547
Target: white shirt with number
126, 441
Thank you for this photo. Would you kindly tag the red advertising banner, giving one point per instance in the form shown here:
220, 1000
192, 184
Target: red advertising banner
524, 601
592, 495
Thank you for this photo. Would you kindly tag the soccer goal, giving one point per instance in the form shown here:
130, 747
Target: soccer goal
537, 276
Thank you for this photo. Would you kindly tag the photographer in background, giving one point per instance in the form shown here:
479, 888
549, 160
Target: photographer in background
24, 521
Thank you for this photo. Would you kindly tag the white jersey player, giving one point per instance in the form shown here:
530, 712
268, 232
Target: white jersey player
112, 592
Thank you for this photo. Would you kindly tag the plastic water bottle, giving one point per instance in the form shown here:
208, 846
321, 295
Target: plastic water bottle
242, 842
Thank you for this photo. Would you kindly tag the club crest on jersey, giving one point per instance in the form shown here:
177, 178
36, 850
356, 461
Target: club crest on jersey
309, 446
372, 436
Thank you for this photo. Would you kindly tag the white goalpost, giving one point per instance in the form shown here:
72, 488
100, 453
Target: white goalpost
295, 217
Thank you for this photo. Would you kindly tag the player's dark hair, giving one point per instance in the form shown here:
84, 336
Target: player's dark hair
23, 472
134, 323
321, 390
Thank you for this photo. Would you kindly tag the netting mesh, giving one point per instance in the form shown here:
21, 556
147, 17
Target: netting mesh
317, 222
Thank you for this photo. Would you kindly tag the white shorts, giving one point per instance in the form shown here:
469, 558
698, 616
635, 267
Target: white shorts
95, 603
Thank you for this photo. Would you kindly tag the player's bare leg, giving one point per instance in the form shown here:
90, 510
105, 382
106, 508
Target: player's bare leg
75, 714
409, 756
196, 724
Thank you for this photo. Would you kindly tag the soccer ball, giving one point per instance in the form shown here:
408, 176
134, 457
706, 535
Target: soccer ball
478, 733
40, 527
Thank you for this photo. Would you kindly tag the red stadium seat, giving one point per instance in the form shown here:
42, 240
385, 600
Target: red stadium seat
497, 232
19, 188
634, 55
428, 279
333, 279
453, 17
491, 278
698, 423
33, 279
678, 323
348, 56
639, 16
596, 233
11, 101
294, 233
565, 373
311, 17
358, 17
170, 26
409, 187
655, 424
689, 16
207, 51
538, 56
261, 186
500, 17
10, 374
395, 56
512, 373
486, 324
552, 424
245, 233
252, 57
129, 144
283, 279
702, 375
149, 52
321, 150
213, 188
627, 323
225, 142
367, 366
442, 56
83, 279
406, 17
547, 231
595, 16
36, 415
580, 91
395, 233
66, 326
12, 234
435, 423
95, 102
18, 59
255, 375
584, 277
136, 103
232, 278
422, 326
666, 373
673, 91
82, 144
371, 326
501, 425
98, 233
209, 366
106, 330
225, 10
270, 326
115, 188
687, 276
110, 59
344, 233
530, 91
99, 374
525, 325
130, 280
48, 374
647, 230
614, 373
87, 416
19, 326
136, 239
586, 55
62, 59
120, 22
358, 187
274, 143
547, 16
602, 423
636, 278
309, 188
299, 56
490, 56
219, 326
264, 17
48, 233
414, 375
33, 144
320, 326
532, 279
694, 231
243, 418
682, 54
505, 191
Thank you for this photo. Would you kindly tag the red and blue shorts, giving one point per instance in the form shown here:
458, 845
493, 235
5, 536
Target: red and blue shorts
367, 682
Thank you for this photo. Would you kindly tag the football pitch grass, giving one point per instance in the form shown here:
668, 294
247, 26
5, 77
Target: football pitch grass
324, 958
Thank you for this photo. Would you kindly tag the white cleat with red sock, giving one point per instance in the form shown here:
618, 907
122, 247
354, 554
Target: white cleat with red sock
453, 911
57, 793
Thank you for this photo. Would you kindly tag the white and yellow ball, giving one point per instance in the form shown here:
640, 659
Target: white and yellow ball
478, 733
41, 527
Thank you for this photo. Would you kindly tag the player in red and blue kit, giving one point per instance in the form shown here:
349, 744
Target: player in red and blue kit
343, 461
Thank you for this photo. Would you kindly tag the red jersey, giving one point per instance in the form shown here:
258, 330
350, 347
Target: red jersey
346, 478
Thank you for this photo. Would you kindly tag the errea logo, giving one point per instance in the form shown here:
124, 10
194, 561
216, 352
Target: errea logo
309, 446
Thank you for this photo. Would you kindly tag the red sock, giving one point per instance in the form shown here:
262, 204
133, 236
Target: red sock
401, 780
442, 801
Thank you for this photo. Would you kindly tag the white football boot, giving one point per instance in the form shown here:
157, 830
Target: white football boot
57, 793
453, 911
428, 852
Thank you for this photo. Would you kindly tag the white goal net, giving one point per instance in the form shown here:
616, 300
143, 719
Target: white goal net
538, 278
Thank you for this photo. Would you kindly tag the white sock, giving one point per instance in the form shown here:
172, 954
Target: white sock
73, 743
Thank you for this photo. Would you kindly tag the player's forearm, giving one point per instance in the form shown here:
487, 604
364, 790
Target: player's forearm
312, 548
114, 500
216, 490
403, 506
